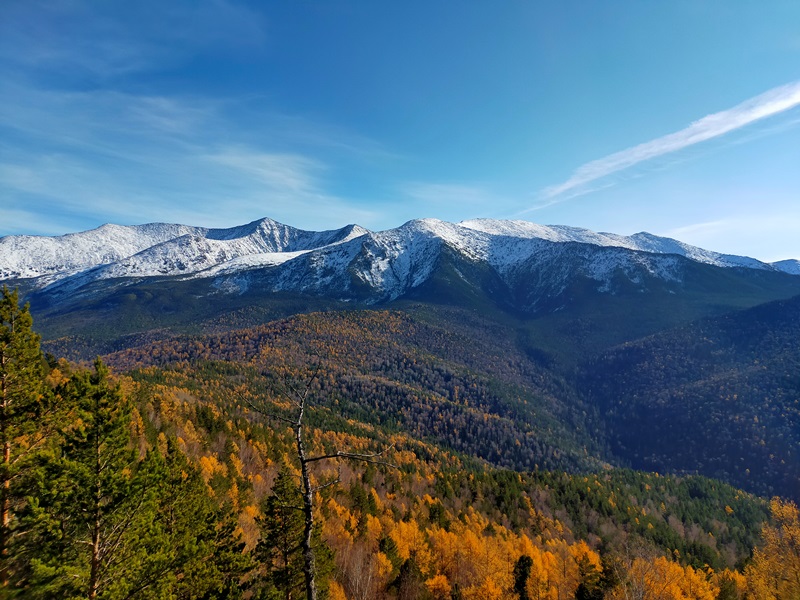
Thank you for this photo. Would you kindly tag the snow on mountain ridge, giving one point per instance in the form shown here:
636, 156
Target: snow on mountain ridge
642, 242
791, 266
388, 262
153, 249
26, 256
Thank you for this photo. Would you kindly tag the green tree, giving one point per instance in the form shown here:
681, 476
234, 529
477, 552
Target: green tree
591, 581
184, 545
87, 496
280, 548
107, 525
23, 408
522, 572
300, 399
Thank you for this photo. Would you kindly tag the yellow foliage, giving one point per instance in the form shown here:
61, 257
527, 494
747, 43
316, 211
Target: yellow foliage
408, 538
774, 573
373, 529
487, 590
376, 499
735, 578
439, 587
209, 466
384, 565
663, 579
237, 465
336, 592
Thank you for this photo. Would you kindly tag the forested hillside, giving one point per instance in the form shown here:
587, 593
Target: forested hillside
470, 390
169, 479
723, 394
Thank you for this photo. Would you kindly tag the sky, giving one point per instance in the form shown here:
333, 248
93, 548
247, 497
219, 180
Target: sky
678, 118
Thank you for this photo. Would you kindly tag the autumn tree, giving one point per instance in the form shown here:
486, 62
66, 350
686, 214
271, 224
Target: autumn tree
299, 398
774, 573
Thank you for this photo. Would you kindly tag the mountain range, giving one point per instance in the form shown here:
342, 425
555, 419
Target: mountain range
389, 263
556, 346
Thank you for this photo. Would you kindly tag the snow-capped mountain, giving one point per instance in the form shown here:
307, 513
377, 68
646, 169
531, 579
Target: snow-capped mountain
352, 262
788, 266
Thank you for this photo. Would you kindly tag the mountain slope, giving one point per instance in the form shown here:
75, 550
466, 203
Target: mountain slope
558, 299
423, 378
513, 266
719, 396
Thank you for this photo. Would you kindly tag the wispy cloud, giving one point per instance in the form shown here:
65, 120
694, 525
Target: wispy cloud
109, 155
773, 102
107, 40
277, 172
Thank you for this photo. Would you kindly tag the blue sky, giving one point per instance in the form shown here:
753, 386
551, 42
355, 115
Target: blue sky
679, 118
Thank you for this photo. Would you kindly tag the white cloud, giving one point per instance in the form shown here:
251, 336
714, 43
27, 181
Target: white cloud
109, 39
122, 157
277, 172
773, 102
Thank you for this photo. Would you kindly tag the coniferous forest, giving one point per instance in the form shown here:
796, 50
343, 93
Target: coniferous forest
196, 467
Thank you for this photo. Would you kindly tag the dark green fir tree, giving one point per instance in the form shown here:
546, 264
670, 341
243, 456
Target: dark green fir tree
187, 546
87, 496
279, 551
24, 407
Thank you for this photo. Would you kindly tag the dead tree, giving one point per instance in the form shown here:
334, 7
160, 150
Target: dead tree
299, 399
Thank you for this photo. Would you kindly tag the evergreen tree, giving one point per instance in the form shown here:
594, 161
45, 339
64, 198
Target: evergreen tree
409, 581
23, 410
107, 525
88, 496
522, 572
187, 546
280, 548
591, 586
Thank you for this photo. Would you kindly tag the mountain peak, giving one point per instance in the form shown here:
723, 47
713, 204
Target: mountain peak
389, 262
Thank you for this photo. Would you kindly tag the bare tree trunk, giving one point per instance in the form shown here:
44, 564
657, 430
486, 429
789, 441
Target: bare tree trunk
300, 399
5, 492
309, 566
94, 574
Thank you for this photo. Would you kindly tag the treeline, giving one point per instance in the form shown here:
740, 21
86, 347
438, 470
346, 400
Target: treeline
166, 483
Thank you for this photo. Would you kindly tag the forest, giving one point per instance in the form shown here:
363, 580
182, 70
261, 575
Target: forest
174, 472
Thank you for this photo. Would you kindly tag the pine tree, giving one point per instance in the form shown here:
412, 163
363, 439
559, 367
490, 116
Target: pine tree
522, 572
280, 549
300, 399
186, 545
108, 525
23, 410
88, 496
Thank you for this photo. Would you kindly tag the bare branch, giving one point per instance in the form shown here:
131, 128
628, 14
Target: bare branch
269, 415
316, 489
367, 458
